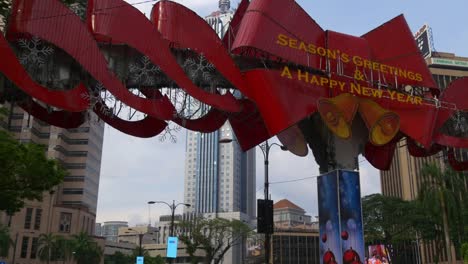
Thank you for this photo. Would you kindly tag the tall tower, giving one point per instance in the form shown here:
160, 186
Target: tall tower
219, 177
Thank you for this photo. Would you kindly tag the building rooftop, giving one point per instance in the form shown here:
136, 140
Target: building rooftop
285, 203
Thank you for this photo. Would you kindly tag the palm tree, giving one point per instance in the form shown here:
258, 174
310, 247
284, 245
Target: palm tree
63, 248
441, 195
46, 247
85, 249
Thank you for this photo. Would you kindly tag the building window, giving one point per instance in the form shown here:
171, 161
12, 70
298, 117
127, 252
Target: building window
65, 222
34, 248
74, 178
28, 218
24, 247
72, 191
37, 219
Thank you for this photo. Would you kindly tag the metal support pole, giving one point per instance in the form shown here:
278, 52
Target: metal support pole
267, 234
140, 238
172, 217
172, 224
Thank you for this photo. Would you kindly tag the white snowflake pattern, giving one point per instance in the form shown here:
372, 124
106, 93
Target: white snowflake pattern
460, 122
34, 51
95, 97
186, 106
144, 71
169, 133
200, 67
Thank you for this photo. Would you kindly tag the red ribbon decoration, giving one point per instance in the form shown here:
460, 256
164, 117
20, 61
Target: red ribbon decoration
260, 32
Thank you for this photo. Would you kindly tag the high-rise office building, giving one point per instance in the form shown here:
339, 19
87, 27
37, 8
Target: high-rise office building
219, 177
403, 180
71, 207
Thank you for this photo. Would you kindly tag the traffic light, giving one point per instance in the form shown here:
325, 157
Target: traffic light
264, 216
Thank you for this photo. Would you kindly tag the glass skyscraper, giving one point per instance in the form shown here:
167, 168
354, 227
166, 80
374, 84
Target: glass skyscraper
219, 177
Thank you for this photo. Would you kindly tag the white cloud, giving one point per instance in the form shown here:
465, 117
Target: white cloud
135, 171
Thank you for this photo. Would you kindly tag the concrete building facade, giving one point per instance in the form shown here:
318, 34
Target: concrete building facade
70, 208
288, 215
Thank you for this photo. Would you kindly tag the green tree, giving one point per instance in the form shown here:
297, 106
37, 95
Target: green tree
3, 112
385, 219
441, 195
25, 173
5, 241
117, 258
46, 247
214, 236
464, 252
157, 260
395, 223
63, 249
85, 249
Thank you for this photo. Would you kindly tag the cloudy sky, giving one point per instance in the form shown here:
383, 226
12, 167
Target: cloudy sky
135, 170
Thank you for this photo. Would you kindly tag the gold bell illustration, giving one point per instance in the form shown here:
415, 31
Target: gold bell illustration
383, 125
338, 113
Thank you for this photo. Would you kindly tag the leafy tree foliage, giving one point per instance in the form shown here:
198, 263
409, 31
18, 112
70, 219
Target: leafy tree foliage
464, 252
214, 236
85, 249
5, 241
117, 258
81, 247
395, 223
120, 258
47, 246
443, 197
25, 173
385, 219
3, 111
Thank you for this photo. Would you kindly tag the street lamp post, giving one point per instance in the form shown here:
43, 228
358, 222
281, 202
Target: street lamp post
265, 147
173, 207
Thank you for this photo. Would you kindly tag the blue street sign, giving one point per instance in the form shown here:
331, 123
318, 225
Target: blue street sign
140, 260
172, 247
